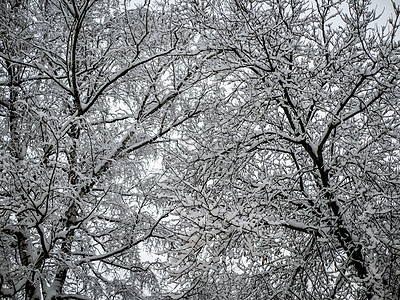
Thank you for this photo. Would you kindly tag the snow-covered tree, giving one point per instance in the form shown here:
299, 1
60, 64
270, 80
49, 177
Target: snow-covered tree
287, 187
88, 89
278, 124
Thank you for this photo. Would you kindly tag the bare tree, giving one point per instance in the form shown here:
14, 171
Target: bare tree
287, 187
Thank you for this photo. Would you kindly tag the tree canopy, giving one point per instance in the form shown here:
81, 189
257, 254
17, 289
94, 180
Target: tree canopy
199, 150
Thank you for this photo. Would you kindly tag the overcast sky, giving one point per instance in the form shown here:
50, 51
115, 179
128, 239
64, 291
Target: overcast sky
382, 6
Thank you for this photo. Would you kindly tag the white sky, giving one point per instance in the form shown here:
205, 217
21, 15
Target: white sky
385, 5
381, 5
384, 9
